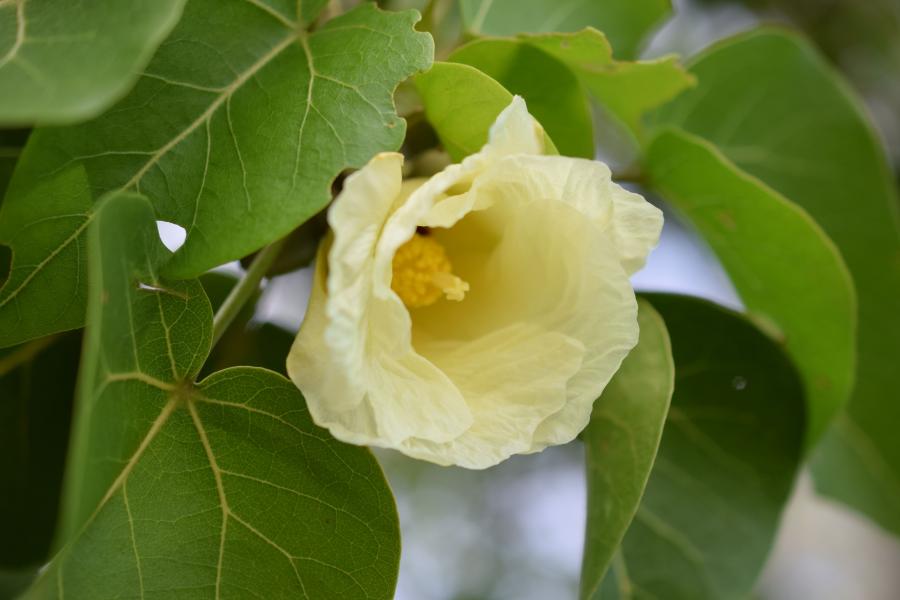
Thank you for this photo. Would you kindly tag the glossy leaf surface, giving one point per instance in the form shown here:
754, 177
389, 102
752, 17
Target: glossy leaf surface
785, 268
731, 448
621, 443
777, 110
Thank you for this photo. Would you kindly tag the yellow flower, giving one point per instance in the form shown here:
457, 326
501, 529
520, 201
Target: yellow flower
476, 314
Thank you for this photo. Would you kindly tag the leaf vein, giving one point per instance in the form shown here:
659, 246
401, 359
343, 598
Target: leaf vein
213, 107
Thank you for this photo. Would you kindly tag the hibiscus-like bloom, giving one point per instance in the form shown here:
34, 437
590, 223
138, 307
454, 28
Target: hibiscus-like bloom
476, 314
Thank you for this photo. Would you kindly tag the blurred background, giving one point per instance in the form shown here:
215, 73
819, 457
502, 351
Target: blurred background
516, 531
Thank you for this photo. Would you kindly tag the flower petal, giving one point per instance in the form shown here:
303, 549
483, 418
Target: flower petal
514, 132
513, 379
356, 220
534, 262
634, 224
353, 357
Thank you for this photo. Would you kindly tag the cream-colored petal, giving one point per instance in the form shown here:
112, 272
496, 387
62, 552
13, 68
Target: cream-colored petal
353, 356
514, 131
338, 304
533, 261
356, 219
587, 185
311, 365
513, 378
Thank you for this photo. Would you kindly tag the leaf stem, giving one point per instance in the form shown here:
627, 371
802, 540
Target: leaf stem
245, 288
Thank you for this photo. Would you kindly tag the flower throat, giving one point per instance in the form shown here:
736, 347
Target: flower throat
422, 273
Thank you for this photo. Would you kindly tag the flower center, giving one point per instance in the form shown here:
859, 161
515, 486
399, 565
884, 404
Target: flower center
423, 273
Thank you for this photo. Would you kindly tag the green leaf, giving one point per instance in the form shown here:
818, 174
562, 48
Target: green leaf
553, 94
729, 453
461, 103
625, 22
787, 271
621, 442
625, 89
37, 387
62, 62
235, 131
205, 490
45, 232
780, 112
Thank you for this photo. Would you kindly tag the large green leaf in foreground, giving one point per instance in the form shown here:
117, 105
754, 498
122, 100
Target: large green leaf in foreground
625, 22
621, 442
462, 103
235, 131
61, 62
209, 490
730, 450
37, 388
787, 271
776, 109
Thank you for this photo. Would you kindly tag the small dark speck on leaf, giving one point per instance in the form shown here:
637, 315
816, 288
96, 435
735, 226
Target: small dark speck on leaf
727, 220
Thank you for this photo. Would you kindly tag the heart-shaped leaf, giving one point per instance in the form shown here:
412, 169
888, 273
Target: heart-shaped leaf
201, 490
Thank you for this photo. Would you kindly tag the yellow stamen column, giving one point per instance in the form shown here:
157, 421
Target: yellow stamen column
422, 273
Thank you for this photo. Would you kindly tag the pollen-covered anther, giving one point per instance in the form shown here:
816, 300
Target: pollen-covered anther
422, 273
